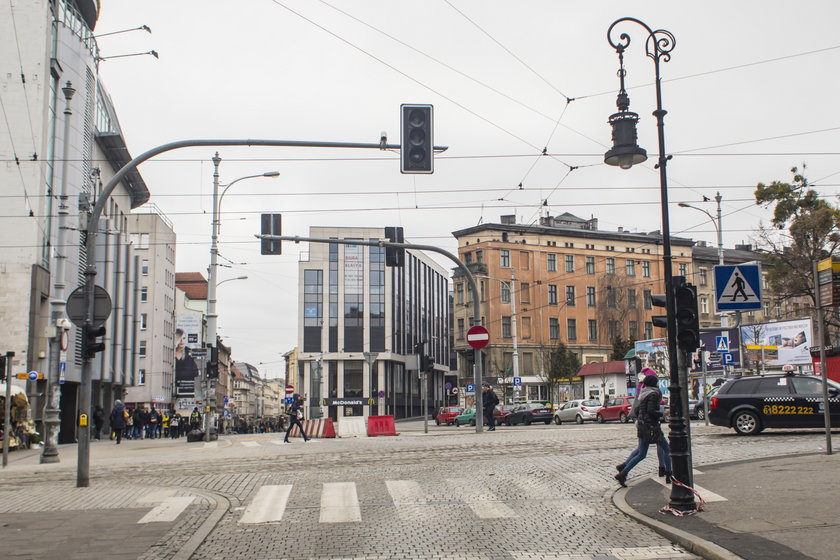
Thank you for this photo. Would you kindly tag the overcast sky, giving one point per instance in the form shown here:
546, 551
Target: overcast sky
750, 91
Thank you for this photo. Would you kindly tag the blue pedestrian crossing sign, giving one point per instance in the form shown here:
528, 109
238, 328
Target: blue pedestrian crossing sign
738, 287
722, 344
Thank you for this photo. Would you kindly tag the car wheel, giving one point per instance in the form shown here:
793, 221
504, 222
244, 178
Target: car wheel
701, 413
528, 422
457, 424
437, 421
557, 420
623, 418
579, 419
547, 422
746, 423
600, 419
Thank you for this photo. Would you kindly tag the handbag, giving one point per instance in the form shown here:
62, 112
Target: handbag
651, 433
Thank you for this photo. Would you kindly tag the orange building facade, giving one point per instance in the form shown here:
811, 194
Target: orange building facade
572, 283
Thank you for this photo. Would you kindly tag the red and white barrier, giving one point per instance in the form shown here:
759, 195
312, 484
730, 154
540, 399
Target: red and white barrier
318, 428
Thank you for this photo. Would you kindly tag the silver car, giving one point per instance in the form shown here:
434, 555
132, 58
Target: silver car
579, 410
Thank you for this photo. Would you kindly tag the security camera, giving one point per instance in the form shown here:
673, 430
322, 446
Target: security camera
64, 324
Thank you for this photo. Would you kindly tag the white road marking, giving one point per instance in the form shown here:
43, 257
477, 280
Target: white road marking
206, 445
250, 443
484, 504
168, 510
339, 503
707, 495
269, 504
408, 497
155, 496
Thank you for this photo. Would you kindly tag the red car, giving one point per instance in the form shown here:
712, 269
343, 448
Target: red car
616, 409
446, 415
500, 412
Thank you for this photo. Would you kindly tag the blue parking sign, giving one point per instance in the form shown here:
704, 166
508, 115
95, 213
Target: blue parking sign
517, 381
470, 387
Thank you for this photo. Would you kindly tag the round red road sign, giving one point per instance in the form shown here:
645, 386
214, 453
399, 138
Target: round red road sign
290, 389
478, 337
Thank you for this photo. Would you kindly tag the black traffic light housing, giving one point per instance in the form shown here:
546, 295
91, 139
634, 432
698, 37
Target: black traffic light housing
270, 224
394, 256
212, 366
426, 363
2, 368
416, 146
686, 315
90, 347
659, 300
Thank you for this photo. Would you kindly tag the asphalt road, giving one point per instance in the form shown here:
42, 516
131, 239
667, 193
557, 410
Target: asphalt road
538, 492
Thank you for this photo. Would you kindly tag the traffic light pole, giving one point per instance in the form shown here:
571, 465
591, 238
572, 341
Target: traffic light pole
83, 463
479, 366
7, 415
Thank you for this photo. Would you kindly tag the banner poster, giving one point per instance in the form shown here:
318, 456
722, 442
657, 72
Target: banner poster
187, 340
783, 342
714, 357
654, 354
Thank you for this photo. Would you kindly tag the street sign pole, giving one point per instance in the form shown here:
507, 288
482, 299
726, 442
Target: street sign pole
7, 417
823, 365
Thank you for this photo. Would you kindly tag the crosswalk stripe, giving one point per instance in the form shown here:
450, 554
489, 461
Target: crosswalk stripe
206, 445
407, 497
485, 504
276, 442
268, 505
168, 510
339, 503
250, 443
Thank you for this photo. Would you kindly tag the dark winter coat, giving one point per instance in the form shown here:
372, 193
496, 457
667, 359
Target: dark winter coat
489, 400
646, 409
118, 417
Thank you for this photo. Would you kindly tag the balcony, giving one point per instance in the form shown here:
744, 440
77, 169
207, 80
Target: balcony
475, 268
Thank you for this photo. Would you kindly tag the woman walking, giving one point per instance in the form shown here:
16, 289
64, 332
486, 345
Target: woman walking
648, 430
295, 416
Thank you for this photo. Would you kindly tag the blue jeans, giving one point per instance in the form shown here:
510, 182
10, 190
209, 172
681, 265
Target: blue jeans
663, 451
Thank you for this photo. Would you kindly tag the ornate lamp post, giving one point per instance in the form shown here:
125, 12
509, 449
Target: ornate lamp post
624, 154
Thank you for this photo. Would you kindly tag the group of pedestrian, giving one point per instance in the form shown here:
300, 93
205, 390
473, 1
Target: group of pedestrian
139, 423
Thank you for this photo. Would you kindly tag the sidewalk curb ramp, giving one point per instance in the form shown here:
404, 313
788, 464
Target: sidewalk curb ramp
381, 426
694, 544
197, 538
319, 428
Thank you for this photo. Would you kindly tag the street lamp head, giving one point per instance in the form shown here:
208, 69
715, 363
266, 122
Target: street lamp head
684, 205
625, 152
271, 174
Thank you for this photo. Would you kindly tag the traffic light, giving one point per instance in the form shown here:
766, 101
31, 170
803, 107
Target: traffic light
394, 256
416, 147
89, 344
3, 368
659, 300
270, 224
426, 363
687, 317
212, 366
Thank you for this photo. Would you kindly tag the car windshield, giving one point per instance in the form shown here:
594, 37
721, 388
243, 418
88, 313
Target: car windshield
591, 403
506, 407
535, 406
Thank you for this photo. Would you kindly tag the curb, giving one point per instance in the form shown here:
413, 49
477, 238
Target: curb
706, 549
197, 538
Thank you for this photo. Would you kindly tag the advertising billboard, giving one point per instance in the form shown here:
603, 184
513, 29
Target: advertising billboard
778, 344
713, 355
187, 341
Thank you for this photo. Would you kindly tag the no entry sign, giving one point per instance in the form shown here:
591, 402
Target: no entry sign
290, 389
478, 337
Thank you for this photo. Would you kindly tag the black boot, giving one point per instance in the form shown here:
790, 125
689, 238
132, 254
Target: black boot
622, 479
620, 467
661, 472
668, 477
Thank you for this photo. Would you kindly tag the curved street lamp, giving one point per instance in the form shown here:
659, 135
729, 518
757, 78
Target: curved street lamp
626, 153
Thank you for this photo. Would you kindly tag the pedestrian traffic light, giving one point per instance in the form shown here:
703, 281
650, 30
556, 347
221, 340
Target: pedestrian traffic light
426, 363
270, 224
416, 147
90, 346
394, 256
659, 300
686, 315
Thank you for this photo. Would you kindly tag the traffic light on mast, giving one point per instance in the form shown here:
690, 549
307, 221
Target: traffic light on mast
416, 147
394, 256
686, 315
660, 300
90, 347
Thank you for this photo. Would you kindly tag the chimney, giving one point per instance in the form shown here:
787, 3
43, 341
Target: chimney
743, 247
620, 229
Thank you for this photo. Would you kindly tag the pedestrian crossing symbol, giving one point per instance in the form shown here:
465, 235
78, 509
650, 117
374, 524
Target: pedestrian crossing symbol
738, 288
722, 343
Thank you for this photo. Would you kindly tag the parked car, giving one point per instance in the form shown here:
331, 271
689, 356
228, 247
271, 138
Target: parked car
751, 404
579, 410
695, 410
616, 409
528, 413
466, 417
501, 412
446, 415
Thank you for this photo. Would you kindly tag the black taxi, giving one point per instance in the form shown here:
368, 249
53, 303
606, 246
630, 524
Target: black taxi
750, 404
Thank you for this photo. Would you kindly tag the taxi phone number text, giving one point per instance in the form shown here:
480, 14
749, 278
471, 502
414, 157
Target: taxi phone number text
782, 409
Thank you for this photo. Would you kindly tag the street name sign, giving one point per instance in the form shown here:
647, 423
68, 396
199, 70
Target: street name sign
738, 287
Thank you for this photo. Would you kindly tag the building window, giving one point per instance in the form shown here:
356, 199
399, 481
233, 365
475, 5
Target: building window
144, 294
525, 292
505, 258
571, 327
552, 294
630, 267
703, 277
647, 304
648, 330
683, 269
468, 258
144, 267
526, 327
646, 269
631, 298
524, 260
141, 376
610, 265
553, 329
506, 327
552, 263
459, 293
144, 321
505, 293
590, 265
593, 330
610, 297
590, 296
704, 305
479, 256
481, 288
634, 330
612, 329
570, 296
570, 263
141, 350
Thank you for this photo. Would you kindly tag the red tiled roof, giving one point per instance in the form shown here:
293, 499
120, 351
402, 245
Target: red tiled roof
192, 283
600, 368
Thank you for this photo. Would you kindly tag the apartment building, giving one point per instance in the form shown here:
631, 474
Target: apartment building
569, 280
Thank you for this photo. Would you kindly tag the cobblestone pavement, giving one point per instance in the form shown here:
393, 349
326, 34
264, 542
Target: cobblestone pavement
540, 492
